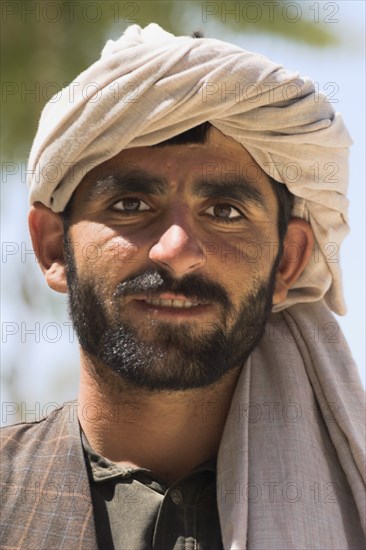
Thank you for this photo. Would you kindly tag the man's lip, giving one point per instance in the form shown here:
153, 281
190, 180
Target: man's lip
171, 311
169, 296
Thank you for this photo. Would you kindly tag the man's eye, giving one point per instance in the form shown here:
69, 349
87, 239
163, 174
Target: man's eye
130, 205
224, 212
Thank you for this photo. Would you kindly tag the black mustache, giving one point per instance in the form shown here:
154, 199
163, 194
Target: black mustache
152, 283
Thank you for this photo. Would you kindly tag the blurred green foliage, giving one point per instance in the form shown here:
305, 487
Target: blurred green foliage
45, 44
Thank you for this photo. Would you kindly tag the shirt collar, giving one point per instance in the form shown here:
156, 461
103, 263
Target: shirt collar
102, 468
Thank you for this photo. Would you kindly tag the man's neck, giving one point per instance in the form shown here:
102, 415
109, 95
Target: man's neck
169, 433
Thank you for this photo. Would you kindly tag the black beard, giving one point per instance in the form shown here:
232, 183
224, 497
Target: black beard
178, 357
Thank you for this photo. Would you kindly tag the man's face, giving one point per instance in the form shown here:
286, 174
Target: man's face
170, 262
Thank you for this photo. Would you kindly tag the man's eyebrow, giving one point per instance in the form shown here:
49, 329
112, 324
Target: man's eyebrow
240, 190
139, 181
126, 181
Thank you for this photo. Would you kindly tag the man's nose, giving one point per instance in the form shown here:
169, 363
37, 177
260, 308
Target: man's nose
178, 250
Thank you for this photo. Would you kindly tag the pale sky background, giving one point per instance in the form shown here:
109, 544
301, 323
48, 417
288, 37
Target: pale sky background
45, 362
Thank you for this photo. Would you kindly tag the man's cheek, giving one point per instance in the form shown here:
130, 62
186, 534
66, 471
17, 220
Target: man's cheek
123, 252
116, 252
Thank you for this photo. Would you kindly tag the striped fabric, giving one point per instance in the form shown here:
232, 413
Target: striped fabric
46, 502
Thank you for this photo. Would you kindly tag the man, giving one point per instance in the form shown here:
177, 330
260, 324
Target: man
203, 420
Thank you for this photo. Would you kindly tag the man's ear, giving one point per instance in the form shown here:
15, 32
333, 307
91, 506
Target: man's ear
47, 232
297, 247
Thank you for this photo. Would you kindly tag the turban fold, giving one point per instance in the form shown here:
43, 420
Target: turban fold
150, 85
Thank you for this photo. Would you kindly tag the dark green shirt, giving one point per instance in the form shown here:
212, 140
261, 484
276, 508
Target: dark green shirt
136, 510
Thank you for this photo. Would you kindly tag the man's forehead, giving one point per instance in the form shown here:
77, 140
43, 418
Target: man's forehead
219, 157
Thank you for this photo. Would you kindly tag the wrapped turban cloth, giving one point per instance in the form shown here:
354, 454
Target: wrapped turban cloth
291, 463
149, 86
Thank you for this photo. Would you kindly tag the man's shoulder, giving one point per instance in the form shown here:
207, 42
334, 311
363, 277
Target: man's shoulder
25, 438
42, 453
44, 486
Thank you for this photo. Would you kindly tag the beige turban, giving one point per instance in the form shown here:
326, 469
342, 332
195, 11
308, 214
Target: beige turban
149, 86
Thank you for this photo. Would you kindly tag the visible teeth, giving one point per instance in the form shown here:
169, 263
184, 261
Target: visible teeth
170, 303
167, 303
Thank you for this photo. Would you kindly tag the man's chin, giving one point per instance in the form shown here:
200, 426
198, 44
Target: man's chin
179, 338
169, 359
166, 336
